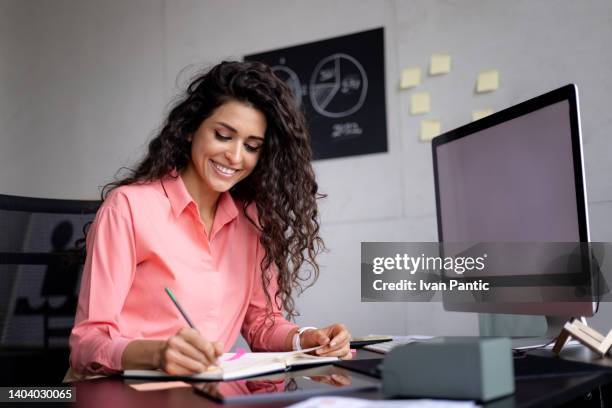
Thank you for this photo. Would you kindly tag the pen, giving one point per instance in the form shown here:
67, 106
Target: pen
178, 306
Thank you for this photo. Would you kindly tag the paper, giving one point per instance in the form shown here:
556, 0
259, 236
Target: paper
419, 103
429, 129
344, 402
479, 114
487, 81
396, 341
439, 64
244, 366
156, 386
411, 77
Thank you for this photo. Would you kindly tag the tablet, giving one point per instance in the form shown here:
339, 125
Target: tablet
359, 342
274, 389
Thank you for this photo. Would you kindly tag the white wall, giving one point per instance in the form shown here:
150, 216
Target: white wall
81, 89
84, 84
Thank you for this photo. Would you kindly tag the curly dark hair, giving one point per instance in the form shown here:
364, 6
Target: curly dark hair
282, 185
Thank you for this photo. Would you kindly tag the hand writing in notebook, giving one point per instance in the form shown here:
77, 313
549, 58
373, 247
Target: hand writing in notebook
187, 352
336, 339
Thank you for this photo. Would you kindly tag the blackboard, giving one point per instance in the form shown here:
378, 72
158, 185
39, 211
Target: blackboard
340, 85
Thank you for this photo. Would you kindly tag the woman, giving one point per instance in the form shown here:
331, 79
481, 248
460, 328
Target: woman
222, 210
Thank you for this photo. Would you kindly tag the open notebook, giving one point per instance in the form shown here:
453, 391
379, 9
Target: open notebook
238, 365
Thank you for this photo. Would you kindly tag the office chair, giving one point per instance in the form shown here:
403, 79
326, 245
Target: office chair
40, 268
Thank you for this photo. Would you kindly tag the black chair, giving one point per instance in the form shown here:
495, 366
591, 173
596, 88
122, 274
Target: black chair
40, 268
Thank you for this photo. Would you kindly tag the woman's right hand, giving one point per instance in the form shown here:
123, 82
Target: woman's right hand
187, 352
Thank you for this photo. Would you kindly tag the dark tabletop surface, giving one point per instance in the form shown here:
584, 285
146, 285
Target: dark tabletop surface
550, 391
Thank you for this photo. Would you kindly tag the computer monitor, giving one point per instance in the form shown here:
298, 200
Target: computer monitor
515, 176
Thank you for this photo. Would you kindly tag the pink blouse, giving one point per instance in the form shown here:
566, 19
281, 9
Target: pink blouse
150, 236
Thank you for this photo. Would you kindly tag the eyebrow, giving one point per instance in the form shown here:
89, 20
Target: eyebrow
231, 128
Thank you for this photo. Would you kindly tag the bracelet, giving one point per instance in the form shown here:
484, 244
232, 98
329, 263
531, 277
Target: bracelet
297, 344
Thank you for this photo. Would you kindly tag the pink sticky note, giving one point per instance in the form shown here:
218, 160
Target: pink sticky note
156, 386
239, 353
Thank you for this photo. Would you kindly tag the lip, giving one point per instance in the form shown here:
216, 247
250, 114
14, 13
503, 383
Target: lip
219, 172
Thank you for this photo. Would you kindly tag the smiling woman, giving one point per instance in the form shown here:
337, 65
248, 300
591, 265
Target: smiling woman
222, 210
224, 151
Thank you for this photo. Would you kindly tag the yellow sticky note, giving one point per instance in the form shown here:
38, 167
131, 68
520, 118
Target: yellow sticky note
430, 128
487, 81
439, 64
419, 103
411, 77
479, 114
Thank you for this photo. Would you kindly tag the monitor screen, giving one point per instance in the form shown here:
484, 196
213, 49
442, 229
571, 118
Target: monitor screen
511, 182
515, 176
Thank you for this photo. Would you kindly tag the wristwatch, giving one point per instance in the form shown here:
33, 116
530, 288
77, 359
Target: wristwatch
297, 345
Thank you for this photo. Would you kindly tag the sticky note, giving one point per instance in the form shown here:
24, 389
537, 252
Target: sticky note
479, 114
439, 64
156, 386
487, 81
411, 77
430, 128
239, 353
419, 103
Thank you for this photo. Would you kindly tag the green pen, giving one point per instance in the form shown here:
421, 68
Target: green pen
184, 314
178, 306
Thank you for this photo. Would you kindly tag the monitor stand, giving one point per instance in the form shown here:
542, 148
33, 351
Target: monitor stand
554, 325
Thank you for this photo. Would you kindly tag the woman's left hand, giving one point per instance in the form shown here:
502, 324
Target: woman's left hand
336, 339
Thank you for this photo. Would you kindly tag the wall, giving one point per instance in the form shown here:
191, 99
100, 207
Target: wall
83, 84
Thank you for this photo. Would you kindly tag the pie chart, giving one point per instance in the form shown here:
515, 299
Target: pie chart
338, 86
288, 76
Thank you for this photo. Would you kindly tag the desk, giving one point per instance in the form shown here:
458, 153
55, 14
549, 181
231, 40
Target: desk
541, 392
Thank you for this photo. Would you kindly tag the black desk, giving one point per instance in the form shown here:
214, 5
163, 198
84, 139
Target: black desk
541, 392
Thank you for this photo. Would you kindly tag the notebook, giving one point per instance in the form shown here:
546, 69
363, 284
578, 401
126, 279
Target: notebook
238, 365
